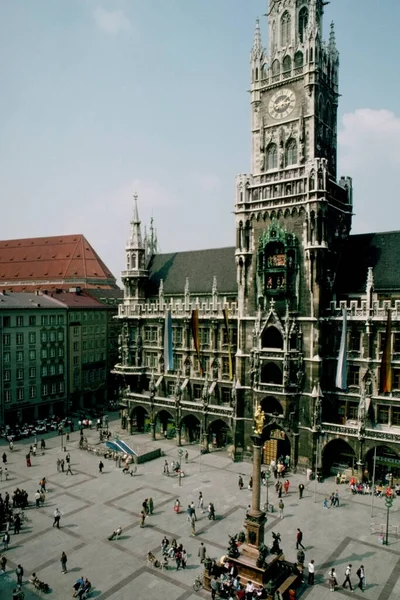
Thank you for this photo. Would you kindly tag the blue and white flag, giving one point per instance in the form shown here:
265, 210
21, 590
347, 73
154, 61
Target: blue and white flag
341, 373
168, 354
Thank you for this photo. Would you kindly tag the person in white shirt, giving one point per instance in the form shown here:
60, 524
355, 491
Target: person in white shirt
311, 572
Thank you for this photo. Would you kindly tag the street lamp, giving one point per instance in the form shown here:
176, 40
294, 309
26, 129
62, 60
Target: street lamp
389, 503
267, 477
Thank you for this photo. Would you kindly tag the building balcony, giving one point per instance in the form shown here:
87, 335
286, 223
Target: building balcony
188, 405
370, 433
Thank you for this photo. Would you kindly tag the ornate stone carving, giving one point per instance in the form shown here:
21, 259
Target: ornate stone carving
259, 420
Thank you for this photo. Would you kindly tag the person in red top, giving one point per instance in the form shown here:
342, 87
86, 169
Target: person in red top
286, 486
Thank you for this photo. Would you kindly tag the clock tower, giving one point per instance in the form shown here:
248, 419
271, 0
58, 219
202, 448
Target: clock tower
292, 214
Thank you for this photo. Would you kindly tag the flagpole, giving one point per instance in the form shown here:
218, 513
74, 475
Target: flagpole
373, 485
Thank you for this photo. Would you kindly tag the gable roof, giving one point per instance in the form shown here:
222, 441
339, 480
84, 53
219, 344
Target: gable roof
378, 250
200, 266
52, 262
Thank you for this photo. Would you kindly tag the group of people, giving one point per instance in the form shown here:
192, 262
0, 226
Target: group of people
226, 583
347, 578
81, 588
174, 551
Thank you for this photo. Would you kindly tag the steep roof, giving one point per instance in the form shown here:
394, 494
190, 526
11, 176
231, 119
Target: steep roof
378, 250
199, 266
52, 262
27, 300
80, 300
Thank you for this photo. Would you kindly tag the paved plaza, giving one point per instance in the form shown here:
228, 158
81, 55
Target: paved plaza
94, 504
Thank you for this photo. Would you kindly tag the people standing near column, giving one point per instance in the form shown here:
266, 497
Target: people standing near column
347, 579
63, 561
301, 490
361, 577
202, 552
299, 539
57, 517
281, 506
311, 572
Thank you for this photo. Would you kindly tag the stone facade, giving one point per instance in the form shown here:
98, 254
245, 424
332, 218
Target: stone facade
293, 243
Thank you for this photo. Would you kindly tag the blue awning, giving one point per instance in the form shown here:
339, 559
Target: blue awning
120, 446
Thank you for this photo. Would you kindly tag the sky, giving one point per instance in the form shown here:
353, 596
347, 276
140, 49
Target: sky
104, 98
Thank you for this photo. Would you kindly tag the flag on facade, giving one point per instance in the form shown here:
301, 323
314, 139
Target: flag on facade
196, 336
168, 353
341, 373
386, 364
228, 337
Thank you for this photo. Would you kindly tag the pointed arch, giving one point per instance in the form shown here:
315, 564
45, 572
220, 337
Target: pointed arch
291, 152
298, 59
286, 26
311, 55
272, 338
271, 373
287, 65
272, 156
276, 68
303, 22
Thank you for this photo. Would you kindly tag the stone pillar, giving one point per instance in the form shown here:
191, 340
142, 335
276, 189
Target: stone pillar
255, 518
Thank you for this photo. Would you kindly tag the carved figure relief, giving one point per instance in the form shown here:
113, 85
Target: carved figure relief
259, 420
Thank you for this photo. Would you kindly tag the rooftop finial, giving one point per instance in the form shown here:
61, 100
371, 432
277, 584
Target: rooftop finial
135, 208
257, 47
332, 40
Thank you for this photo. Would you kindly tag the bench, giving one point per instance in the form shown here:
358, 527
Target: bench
285, 586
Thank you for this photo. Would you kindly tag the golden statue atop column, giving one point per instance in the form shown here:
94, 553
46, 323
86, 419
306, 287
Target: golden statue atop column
259, 420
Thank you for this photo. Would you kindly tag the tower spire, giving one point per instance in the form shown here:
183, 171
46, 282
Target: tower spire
332, 42
135, 240
257, 47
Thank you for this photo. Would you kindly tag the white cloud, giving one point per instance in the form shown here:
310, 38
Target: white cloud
369, 151
111, 21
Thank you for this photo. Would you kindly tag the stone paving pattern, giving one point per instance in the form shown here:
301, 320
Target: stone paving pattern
94, 504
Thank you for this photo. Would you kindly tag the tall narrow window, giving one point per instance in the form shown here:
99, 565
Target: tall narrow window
303, 21
287, 65
276, 68
291, 152
285, 29
272, 157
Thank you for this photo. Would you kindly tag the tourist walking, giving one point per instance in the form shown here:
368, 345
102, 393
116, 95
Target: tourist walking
361, 577
63, 561
17, 524
19, 571
240, 482
184, 558
57, 517
200, 501
202, 552
68, 471
332, 580
193, 524
3, 563
142, 518
101, 467
299, 539
151, 506
301, 490
6, 540
281, 506
311, 572
186, 456
62, 465
286, 486
347, 579
4, 457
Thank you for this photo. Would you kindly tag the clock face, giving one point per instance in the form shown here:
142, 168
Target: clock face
282, 103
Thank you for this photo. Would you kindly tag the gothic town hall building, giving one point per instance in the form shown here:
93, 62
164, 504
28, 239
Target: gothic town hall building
293, 281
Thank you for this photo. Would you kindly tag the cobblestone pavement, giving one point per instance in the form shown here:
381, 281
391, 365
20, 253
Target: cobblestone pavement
94, 504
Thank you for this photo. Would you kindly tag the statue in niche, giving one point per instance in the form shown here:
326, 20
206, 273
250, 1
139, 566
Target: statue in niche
362, 409
368, 386
233, 396
187, 367
285, 371
139, 350
204, 393
178, 389
215, 367
259, 420
317, 412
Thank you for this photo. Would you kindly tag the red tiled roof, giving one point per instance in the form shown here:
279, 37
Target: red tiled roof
52, 262
82, 300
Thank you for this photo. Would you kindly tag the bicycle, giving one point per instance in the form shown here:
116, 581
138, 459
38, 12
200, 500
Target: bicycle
198, 582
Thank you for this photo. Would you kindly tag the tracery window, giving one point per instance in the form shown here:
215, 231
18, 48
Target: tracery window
272, 157
285, 29
303, 22
291, 153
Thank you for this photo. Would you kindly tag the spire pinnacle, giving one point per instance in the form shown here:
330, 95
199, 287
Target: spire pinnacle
257, 47
332, 40
135, 240
135, 208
